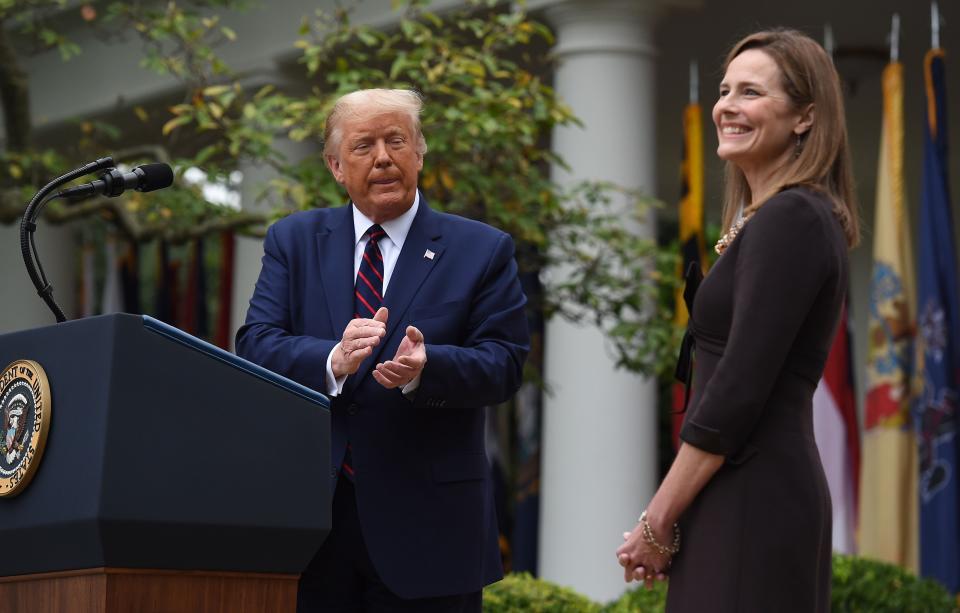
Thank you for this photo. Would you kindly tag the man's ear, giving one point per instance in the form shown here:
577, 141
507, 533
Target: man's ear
806, 120
334, 165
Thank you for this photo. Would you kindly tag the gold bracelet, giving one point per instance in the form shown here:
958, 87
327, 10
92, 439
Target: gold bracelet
647, 532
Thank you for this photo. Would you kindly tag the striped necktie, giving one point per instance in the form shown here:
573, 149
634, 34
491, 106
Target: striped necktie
367, 299
368, 290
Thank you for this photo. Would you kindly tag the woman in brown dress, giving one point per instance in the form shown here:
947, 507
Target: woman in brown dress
747, 490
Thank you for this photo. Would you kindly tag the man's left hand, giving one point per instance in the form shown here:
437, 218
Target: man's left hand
406, 365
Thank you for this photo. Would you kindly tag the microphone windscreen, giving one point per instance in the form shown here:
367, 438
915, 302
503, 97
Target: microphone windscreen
156, 176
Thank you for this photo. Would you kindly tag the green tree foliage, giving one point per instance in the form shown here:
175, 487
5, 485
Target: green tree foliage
26, 19
488, 118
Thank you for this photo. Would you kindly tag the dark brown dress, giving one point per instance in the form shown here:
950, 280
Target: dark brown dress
757, 537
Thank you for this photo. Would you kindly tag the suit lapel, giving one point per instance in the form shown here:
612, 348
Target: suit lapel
413, 267
335, 246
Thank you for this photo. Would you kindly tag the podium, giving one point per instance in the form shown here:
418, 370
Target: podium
175, 477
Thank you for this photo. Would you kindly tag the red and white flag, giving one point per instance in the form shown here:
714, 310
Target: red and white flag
838, 438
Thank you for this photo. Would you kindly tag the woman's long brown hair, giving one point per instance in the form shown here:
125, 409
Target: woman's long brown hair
823, 163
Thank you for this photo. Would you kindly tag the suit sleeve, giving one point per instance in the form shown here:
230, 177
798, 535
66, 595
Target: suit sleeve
488, 367
779, 272
267, 337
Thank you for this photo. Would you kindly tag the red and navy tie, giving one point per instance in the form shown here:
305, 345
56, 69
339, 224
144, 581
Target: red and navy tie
368, 291
367, 299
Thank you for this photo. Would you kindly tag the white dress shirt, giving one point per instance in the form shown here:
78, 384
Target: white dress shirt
390, 245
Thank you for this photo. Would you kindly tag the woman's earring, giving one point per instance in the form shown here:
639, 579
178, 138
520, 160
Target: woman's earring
798, 146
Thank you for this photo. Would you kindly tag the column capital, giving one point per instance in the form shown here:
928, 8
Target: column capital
559, 12
606, 26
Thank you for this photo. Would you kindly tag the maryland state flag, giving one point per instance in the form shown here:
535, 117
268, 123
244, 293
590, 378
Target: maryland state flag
888, 482
691, 226
691, 200
938, 348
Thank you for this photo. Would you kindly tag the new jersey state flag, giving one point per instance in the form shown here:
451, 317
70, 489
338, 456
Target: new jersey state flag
888, 479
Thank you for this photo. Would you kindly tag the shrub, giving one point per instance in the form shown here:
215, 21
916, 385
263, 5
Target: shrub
641, 600
861, 585
521, 592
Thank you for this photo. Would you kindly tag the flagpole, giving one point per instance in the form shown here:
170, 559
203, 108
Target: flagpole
694, 82
934, 25
895, 38
828, 43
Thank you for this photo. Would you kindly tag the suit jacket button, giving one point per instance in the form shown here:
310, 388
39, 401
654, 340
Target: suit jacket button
333, 472
352, 409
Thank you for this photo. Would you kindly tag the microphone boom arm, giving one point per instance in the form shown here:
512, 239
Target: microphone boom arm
28, 226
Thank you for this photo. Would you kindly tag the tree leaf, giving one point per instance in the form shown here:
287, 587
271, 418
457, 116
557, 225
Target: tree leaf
175, 123
215, 90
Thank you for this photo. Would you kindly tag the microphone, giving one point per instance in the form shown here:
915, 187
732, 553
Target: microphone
145, 178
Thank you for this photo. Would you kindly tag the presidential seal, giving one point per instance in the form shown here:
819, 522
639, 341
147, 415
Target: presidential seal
25, 415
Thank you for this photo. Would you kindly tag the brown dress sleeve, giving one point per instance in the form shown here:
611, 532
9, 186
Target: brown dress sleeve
782, 264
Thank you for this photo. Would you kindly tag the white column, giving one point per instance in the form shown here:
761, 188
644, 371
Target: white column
22, 308
249, 251
600, 423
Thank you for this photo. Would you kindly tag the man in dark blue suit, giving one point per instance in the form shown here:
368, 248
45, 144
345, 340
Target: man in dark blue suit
412, 321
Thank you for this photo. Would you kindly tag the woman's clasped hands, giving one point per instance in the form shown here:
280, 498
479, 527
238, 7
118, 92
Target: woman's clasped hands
642, 556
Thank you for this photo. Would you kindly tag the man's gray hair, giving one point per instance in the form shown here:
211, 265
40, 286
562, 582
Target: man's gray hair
373, 102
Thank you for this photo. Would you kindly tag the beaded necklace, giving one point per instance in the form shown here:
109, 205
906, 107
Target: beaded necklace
731, 234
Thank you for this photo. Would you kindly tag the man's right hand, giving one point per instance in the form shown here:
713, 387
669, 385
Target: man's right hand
359, 339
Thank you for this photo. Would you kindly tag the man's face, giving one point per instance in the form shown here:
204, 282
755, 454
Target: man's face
378, 163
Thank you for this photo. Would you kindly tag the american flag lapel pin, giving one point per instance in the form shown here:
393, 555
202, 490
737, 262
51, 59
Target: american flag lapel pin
429, 254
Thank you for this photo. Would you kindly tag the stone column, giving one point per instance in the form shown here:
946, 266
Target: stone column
249, 251
22, 307
600, 423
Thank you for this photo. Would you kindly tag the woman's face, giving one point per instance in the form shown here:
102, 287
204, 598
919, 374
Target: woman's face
756, 120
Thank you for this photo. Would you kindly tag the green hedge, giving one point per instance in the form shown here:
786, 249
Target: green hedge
640, 600
859, 586
524, 593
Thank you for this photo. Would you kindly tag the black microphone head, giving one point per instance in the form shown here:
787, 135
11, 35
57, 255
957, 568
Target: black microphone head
154, 176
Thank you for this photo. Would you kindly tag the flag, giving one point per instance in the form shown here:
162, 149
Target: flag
193, 310
528, 427
130, 278
225, 293
497, 443
87, 301
888, 507
838, 437
691, 201
691, 229
938, 347
199, 284
168, 276
112, 300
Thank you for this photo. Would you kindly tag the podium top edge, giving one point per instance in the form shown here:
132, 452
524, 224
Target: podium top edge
214, 352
